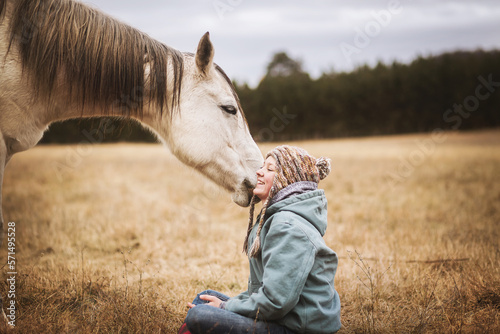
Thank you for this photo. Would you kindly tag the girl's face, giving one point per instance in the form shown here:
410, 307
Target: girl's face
265, 178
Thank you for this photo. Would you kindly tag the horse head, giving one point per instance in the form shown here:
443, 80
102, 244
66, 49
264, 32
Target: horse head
209, 132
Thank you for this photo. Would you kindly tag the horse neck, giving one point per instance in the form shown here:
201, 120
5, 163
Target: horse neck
150, 117
61, 105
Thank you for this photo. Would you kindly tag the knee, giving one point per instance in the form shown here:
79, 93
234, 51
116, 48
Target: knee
198, 300
208, 292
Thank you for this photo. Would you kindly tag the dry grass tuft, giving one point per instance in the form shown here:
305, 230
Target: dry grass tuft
126, 235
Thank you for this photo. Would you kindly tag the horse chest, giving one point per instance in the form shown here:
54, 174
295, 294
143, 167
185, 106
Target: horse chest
20, 129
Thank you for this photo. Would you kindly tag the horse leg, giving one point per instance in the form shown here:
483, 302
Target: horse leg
4, 322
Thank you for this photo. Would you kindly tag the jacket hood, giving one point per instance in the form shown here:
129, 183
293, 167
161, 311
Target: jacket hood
312, 206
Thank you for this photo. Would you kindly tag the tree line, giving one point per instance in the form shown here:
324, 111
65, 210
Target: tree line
452, 91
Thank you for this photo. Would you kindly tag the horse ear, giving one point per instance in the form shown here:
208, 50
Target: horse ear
205, 54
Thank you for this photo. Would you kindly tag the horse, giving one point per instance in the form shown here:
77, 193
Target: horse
61, 59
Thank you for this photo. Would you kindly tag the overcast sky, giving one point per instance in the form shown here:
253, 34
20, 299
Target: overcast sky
324, 35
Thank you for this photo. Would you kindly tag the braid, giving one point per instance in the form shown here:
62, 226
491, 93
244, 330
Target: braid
250, 223
255, 250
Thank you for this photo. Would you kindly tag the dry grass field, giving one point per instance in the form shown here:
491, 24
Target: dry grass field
117, 238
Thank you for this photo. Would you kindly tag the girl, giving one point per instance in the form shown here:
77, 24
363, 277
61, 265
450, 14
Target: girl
291, 284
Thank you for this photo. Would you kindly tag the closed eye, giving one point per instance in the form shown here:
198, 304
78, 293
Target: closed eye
229, 109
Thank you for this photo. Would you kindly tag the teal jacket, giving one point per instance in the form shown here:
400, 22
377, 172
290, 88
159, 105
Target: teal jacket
291, 281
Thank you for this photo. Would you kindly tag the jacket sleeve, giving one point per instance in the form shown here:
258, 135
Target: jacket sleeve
241, 296
287, 257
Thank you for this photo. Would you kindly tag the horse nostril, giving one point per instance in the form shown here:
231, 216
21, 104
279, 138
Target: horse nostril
248, 184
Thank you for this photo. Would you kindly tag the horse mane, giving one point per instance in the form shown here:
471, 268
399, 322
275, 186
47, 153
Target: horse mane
3, 3
100, 60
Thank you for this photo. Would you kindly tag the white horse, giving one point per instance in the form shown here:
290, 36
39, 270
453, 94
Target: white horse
60, 59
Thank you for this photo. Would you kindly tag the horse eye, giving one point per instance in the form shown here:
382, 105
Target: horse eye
229, 109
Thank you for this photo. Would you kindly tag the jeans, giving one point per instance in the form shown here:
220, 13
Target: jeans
204, 319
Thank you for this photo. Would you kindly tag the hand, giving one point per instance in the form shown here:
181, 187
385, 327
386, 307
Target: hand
212, 301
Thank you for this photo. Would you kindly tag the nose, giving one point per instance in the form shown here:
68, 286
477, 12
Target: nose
260, 173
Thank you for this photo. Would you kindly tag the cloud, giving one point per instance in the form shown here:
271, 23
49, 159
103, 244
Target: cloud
246, 33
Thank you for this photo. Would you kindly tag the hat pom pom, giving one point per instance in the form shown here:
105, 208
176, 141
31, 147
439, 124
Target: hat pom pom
324, 167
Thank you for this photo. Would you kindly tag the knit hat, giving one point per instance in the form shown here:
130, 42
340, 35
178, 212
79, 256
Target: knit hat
293, 165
